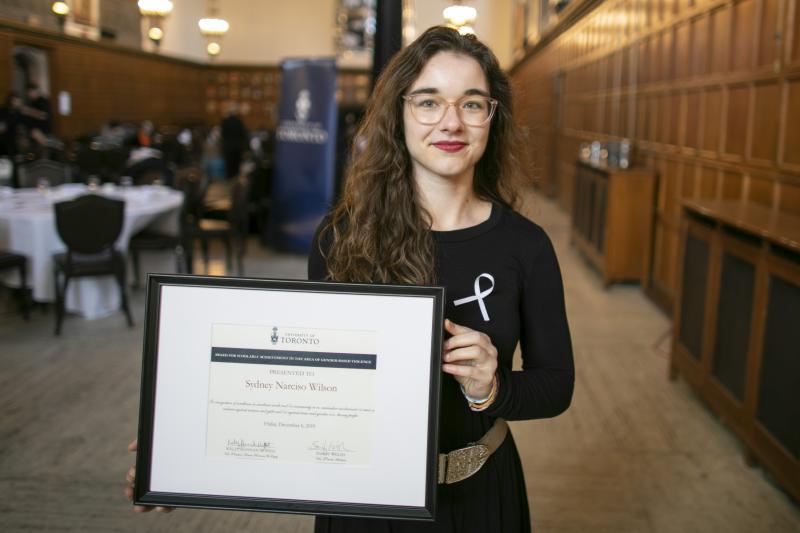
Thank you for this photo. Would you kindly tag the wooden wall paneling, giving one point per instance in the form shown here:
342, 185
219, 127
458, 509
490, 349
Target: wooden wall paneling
665, 248
604, 71
792, 26
707, 183
611, 115
588, 113
642, 115
113, 84
637, 16
782, 119
625, 66
789, 198
671, 263
693, 122
632, 108
745, 26
663, 186
678, 105
624, 13
666, 118
738, 110
655, 118
721, 39
570, 84
689, 181
659, 274
669, 193
683, 45
732, 186
627, 115
659, 11
790, 147
646, 7
766, 126
643, 65
667, 55
682, 6
700, 49
654, 67
692, 81
632, 13
572, 115
712, 120
768, 34
617, 85
760, 190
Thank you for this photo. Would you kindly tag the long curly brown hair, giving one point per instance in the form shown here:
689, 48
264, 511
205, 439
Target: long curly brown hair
378, 232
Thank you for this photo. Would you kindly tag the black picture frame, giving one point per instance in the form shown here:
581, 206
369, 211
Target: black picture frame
144, 495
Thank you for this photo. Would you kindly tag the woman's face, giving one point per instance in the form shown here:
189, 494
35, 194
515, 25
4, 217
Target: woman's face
448, 149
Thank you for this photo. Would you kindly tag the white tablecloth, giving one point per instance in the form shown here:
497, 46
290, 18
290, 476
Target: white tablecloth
27, 227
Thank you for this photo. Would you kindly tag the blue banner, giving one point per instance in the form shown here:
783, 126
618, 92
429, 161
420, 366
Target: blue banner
305, 156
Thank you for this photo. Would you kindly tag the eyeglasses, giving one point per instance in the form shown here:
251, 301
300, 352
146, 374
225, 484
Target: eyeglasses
472, 110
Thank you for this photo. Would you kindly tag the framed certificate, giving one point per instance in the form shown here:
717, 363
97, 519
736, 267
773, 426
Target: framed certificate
290, 396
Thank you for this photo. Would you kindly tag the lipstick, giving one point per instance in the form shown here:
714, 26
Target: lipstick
450, 146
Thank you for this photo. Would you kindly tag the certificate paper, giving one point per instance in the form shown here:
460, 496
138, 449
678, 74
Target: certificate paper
290, 396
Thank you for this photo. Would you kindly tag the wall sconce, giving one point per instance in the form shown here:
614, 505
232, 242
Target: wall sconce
155, 34
213, 28
213, 49
155, 11
60, 10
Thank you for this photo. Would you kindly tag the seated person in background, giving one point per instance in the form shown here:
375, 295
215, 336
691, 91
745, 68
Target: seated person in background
146, 165
145, 134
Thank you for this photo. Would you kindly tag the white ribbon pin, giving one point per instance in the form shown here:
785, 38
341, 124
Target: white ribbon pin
479, 295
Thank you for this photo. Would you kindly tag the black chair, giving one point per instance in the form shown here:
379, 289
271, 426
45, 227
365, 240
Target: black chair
231, 230
260, 196
150, 240
148, 171
56, 173
89, 225
88, 160
9, 261
191, 181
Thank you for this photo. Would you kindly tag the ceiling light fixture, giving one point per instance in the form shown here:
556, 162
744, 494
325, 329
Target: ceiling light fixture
60, 10
213, 27
155, 11
460, 15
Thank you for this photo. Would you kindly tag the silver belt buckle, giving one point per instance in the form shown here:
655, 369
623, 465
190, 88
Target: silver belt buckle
462, 463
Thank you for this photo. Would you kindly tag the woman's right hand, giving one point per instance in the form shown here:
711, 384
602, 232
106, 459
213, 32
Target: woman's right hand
131, 477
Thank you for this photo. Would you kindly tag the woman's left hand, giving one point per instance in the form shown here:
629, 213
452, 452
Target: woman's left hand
471, 358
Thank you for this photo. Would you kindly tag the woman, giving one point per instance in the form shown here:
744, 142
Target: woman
428, 199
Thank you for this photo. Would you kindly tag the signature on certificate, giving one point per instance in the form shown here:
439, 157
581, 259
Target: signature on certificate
329, 446
242, 443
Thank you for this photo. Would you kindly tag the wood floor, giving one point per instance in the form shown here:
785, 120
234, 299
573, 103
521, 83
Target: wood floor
634, 453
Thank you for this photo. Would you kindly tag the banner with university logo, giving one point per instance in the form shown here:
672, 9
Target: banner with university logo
305, 157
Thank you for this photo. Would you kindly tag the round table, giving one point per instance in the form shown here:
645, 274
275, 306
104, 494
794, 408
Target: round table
27, 227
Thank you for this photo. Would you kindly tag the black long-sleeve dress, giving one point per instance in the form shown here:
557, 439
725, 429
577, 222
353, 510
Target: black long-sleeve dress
525, 304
